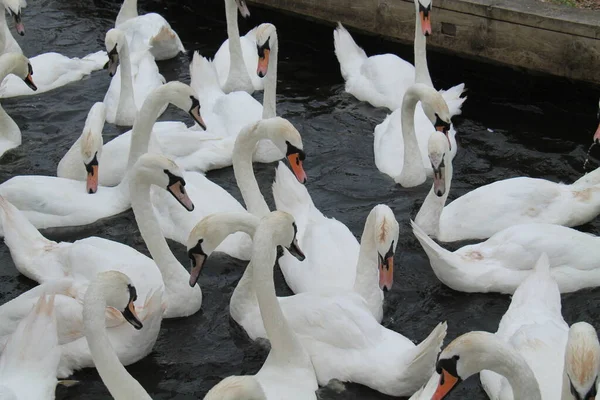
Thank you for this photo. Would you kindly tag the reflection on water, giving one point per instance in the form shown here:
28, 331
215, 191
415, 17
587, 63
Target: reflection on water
512, 124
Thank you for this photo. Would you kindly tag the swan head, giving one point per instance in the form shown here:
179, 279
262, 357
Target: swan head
242, 7
114, 42
597, 134
437, 149
266, 39
14, 8
282, 228
158, 170
237, 388
182, 96
582, 361
21, 67
424, 11
91, 144
119, 293
210, 232
386, 238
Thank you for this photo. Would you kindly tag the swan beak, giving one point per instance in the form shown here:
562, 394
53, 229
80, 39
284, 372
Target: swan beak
20, 28
92, 179
296, 164
113, 62
195, 113
130, 316
446, 384
198, 260
294, 250
386, 273
263, 63
425, 21
243, 8
29, 80
178, 191
597, 136
439, 181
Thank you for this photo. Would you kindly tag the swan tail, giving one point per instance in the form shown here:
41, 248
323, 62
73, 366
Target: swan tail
422, 365
203, 75
453, 98
291, 196
348, 53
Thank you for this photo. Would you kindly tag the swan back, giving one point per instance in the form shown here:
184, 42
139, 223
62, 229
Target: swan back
582, 360
237, 388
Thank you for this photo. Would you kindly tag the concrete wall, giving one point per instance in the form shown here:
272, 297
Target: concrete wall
521, 33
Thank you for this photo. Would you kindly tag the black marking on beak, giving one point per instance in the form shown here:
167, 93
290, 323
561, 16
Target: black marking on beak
128, 314
291, 149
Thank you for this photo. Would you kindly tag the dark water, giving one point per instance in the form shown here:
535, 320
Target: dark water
539, 126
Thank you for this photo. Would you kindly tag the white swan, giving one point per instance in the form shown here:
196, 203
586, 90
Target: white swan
50, 201
17, 64
596, 138
524, 358
228, 113
369, 353
288, 371
209, 197
401, 153
136, 77
491, 208
116, 290
383, 79
52, 69
29, 361
236, 59
148, 30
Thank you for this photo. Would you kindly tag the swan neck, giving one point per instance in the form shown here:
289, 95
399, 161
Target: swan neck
428, 217
119, 382
237, 67
270, 91
420, 48
126, 96
412, 163
243, 150
128, 11
285, 346
367, 269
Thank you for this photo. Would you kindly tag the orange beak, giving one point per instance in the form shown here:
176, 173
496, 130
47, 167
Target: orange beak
445, 386
92, 180
178, 191
425, 23
597, 135
386, 273
263, 64
296, 164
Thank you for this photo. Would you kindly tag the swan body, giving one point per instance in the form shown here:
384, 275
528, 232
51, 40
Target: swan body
371, 354
229, 113
503, 261
491, 208
288, 371
522, 359
17, 64
49, 202
29, 361
136, 77
148, 31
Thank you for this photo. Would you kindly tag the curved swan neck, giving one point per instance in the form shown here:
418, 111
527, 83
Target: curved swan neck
412, 165
128, 11
120, 384
8, 127
237, 66
428, 217
126, 96
420, 48
284, 344
243, 150
270, 91
367, 272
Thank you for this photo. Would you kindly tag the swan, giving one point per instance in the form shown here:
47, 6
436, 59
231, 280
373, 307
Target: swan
382, 80
236, 59
371, 354
136, 78
596, 138
288, 371
148, 31
49, 201
523, 359
209, 197
30, 359
396, 145
112, 289
53, 70
491, 208
229, 113
17, 64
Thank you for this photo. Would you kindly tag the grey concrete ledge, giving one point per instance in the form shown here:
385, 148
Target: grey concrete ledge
538, 36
